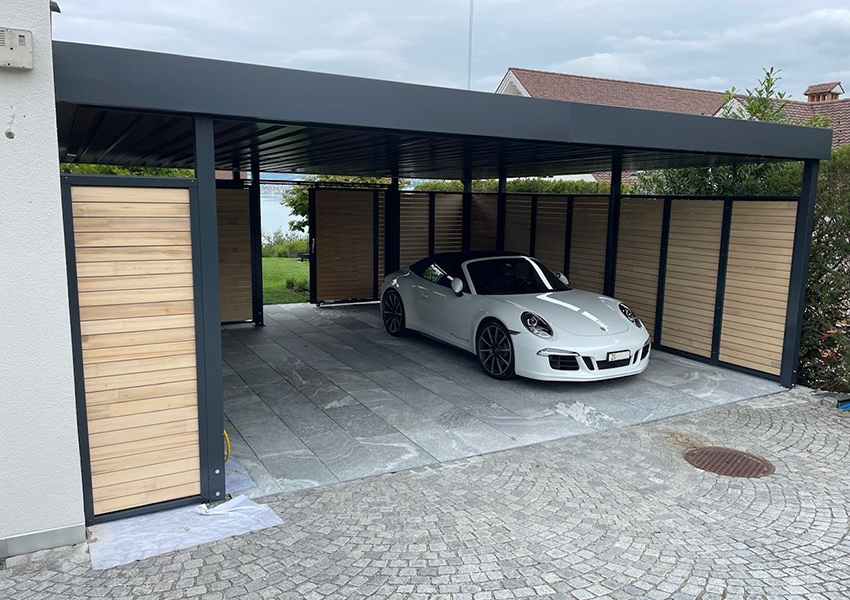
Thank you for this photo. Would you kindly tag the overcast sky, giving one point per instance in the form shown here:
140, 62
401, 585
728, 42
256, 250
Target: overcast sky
711, 45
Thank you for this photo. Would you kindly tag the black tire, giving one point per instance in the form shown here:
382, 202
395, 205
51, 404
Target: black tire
392, 314
495, 350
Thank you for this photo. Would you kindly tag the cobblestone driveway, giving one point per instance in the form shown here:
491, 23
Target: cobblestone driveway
617, 514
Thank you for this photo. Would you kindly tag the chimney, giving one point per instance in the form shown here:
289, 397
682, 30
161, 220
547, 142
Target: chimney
821, 92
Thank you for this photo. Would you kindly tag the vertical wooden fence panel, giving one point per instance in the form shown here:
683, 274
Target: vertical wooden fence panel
693, 254
137, 324
639, 248
757, 278
448, 220
587, 251
414, 227
551, 231
484, 208
518, 223
345, 245
234, 254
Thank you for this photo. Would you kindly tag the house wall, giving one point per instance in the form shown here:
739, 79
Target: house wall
42, 503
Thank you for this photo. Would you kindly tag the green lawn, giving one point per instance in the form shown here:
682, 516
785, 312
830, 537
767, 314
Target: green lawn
279, 274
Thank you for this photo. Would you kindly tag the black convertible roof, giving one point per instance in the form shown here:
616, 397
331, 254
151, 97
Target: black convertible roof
452, 261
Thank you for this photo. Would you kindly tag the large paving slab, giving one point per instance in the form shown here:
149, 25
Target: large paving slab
323, 395
614, 514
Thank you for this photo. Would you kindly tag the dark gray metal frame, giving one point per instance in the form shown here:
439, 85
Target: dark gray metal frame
208, 380
256, 243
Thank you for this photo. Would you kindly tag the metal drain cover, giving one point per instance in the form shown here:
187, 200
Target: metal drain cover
725, 461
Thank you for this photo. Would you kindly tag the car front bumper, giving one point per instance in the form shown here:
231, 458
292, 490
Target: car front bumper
589, 362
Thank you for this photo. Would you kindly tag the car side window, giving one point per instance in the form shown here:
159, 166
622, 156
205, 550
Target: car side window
435, 274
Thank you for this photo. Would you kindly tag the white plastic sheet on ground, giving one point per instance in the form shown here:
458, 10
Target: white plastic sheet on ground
128, 540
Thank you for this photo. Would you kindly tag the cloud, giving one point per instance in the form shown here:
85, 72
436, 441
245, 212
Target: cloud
605, 64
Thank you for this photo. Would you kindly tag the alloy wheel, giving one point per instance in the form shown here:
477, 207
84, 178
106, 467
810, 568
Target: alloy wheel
393, 313
495, 351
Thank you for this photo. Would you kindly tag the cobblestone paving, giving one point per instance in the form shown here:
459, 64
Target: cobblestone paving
617, 514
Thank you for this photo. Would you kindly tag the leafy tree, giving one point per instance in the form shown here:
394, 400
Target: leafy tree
825, 352
825, 348
534, 185
296, 197
86, 169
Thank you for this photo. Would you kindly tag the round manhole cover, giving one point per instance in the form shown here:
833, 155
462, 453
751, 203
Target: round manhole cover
725, 461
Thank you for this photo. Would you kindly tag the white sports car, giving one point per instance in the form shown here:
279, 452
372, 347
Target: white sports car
517, 315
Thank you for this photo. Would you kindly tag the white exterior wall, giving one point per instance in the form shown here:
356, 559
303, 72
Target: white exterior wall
41, 504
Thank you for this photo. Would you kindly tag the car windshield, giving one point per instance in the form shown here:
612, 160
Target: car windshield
513, 275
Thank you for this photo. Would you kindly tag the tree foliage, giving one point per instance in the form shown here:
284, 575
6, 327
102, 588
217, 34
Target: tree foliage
825, 348
533, 185
85, 169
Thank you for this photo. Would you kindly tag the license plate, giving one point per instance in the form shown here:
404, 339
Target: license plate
621, 355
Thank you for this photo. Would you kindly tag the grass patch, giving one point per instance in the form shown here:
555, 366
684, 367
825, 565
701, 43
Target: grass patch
285, 281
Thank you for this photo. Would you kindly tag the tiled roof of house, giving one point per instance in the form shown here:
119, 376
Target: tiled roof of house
821, 88
650, 96
614, 92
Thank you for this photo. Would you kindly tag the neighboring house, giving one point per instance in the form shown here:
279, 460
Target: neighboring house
821, 99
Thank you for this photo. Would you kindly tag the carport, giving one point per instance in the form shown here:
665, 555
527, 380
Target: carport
155, 265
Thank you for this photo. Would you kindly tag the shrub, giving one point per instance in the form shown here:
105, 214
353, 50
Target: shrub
284, 245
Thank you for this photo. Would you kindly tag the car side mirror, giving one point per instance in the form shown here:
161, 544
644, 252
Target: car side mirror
563, 278
457, 286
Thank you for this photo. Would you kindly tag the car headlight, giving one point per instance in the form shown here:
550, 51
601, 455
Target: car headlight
536, 325
627, 312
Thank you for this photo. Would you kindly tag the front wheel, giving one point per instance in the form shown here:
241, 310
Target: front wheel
496, 351
392, 312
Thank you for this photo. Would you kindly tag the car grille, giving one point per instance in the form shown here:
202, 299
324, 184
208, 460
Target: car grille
563, 363
612, 364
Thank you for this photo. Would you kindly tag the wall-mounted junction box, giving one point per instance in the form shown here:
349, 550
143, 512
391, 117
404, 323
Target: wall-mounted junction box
15, 48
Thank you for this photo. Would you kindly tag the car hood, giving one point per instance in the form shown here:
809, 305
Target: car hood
576, 312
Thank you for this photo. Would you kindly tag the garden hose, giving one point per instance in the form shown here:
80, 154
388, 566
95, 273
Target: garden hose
226, 445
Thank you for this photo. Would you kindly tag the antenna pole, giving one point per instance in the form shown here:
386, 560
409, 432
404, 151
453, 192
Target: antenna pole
469, 60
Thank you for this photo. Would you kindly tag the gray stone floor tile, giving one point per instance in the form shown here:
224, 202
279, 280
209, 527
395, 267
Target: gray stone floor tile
396, 451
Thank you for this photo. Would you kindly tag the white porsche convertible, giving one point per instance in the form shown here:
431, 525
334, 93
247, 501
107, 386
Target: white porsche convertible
518, 316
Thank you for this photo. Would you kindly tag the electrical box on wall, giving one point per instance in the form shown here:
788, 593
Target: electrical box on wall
15, 48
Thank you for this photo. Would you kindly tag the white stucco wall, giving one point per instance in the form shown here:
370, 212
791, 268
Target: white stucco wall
41, 500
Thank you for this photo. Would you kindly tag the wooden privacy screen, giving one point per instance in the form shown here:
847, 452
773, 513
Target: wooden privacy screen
234, 255
551, 231
415, 219
758, 274
134, 278
345, 245
587, 250
518, 223
448, 222
483, 234
638, 252
693, 253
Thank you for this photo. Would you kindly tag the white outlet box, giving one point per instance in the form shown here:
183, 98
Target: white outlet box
15, 48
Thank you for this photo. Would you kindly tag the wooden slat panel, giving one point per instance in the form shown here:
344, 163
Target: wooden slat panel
148, 497
638, 255
136, 297
448, 222
518, 223
234, 255
483, 233
587, 250
124, 195
133, 268
414, 227
551, 231
757, 279
691, 282
344, 244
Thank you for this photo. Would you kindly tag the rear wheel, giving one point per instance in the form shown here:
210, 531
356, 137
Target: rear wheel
495, 351
392, 312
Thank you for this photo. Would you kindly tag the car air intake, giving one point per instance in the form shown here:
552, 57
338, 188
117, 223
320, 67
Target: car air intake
588, 362
612, 364
644, 352
563, 363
